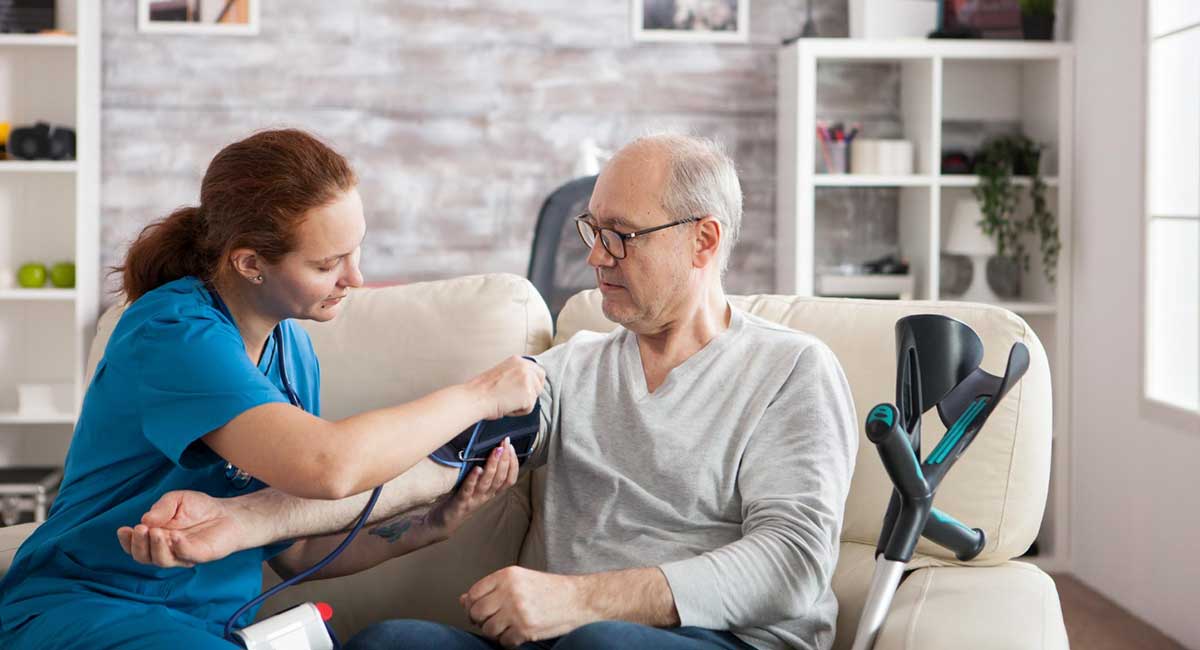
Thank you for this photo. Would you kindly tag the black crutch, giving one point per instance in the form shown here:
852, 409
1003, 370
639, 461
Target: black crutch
937, 365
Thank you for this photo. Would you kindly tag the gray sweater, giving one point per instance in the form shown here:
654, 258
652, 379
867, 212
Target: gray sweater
731, 477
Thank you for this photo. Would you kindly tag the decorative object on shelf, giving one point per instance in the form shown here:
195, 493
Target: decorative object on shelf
704, 21
1037, 20
44, 399
876, 286
966, 238
996, 162
41, 142
886, 265
956, 162
999, 19
227, 17
32, 275
809, 30
26, 16
954, 274
1004, 277
62, 275
888, 157
835, 142
892, 18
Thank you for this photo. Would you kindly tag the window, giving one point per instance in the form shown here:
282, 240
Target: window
1171, 361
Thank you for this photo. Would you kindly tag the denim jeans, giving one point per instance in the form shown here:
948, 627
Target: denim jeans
409, 634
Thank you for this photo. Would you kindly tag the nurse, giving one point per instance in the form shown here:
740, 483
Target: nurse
207, 384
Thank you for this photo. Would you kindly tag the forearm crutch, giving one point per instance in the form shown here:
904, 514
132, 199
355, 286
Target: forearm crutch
937, 365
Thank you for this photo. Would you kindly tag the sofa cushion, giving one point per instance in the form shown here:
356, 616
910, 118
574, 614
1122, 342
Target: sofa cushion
1014, 605
999, 485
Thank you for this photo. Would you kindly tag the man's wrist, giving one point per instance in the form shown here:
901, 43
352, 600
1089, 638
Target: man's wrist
256, 517
585, 590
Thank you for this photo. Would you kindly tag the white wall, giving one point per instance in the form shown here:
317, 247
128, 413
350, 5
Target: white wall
1135, 512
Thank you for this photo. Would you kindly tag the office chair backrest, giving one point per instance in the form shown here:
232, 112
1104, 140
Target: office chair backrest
558, 262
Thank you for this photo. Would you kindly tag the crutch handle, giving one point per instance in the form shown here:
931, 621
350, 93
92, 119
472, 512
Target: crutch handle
899, 460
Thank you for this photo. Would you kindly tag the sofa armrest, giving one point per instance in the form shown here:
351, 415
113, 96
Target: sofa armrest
11, 538
1013, 605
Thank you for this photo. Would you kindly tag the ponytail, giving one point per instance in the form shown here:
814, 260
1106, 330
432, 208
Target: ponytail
166, 250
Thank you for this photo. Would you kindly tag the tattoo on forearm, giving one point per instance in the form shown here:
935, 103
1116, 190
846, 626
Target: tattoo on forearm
395, 528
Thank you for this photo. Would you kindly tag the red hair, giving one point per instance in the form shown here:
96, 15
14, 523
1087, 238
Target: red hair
254, 195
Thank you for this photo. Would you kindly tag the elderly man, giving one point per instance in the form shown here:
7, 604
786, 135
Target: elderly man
697, 458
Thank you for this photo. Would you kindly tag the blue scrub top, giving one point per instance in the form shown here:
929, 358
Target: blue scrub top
175, 369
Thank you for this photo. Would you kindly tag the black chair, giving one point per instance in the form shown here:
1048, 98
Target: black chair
558, 263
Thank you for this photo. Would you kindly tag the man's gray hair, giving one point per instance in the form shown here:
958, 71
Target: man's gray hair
701, 181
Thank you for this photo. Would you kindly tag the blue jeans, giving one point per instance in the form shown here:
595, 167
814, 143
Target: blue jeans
408, 634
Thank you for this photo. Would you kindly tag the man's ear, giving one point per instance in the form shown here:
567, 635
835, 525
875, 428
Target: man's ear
245, 263
707, 242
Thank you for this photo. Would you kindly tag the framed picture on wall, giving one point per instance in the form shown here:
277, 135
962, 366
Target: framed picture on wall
238, 17
703, 21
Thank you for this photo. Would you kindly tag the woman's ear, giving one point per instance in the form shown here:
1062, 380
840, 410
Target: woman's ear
245, 263
707, 243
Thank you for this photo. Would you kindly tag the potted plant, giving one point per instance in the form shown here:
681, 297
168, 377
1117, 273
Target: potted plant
1037, 19
996, 163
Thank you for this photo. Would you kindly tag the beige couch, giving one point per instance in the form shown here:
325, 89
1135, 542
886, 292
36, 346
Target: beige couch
394, 344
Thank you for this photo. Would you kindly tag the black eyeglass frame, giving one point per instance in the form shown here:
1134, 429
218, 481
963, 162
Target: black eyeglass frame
581, 221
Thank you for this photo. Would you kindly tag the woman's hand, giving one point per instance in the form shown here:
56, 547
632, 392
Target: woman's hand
479, 487
510, 388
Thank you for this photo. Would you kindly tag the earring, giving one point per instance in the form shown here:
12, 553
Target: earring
258, 279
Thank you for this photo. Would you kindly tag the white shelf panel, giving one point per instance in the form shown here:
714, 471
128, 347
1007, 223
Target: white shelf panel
1021, 307
38, 40
38, 166
967, 180
39, 418
65, 295
871, 180
888, 49
1029, 308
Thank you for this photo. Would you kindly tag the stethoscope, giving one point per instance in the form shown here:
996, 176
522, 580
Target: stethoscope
241, 479
238, 477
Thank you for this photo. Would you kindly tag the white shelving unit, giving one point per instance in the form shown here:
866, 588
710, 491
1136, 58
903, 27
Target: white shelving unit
49, 212
1009, 82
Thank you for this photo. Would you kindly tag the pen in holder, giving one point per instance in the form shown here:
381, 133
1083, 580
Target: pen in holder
835, 147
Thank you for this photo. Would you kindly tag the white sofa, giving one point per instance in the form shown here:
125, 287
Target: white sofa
393, 344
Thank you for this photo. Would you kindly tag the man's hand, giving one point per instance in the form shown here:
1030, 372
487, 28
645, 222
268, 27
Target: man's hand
515, 605
185, 528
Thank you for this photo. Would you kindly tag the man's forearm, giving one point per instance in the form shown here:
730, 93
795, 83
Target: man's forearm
273, 516
401, 534
636, 595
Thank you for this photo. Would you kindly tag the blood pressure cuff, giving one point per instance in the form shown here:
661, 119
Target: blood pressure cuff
472, 447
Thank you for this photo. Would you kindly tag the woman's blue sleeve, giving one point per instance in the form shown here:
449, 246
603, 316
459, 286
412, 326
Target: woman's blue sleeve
195, 377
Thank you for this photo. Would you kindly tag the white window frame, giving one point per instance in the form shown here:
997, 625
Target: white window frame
1169, 414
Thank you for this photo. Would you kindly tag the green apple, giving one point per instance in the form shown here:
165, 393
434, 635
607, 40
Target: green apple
62, 275
32, 275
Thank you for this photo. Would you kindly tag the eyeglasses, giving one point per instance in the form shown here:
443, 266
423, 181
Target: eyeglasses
613, 241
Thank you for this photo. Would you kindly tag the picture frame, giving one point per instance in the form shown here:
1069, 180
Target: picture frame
223, 17
693, 21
